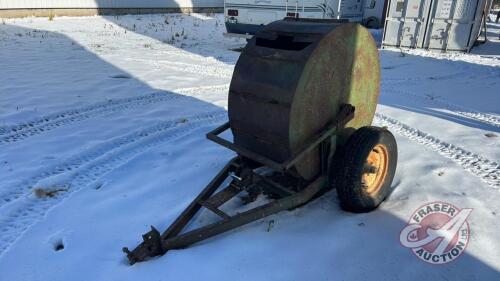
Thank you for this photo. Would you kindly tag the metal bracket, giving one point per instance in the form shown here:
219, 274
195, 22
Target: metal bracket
346, 113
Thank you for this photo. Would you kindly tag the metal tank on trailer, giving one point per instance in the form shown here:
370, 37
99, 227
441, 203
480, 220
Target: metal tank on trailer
301, 103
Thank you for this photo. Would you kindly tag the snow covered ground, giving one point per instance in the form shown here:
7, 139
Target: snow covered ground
110, 113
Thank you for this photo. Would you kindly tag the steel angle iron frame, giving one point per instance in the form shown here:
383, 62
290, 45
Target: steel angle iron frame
241, 171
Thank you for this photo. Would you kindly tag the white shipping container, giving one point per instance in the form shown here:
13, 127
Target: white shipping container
433, 24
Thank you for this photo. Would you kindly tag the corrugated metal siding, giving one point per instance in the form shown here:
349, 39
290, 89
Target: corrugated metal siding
433, 24
53, 4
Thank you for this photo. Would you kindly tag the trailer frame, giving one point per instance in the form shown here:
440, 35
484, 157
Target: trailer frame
244, 177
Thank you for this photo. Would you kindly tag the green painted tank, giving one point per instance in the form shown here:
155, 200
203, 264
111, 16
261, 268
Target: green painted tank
291, 80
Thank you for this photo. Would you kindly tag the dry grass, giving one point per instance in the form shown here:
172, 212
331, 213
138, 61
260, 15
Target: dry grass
48, 192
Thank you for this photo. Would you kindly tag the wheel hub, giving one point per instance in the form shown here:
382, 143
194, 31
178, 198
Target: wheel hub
375, 169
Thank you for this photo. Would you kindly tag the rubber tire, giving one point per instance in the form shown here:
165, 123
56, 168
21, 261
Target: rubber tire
372, 23
347, 175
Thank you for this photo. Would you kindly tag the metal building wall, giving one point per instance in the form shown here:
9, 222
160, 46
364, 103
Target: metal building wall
433, 24
89, 4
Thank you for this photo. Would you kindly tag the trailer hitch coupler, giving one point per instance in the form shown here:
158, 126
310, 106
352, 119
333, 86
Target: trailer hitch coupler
151, 246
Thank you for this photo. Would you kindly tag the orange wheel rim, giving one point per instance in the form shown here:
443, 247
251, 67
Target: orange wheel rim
375, 169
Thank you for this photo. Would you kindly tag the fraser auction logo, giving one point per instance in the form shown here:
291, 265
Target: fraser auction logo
437, 232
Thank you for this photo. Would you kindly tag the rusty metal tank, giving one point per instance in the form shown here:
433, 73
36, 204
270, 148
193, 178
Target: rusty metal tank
292, 78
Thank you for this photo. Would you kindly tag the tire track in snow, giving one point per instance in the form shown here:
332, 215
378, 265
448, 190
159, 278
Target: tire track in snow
415, 80
47, 123
210, 69
412, 81
53, 121
17, 217
20, 189
487, 170
17, 190
456, 109
205, 70
195, 91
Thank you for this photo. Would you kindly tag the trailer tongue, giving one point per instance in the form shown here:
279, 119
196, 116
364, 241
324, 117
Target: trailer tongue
301, 102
